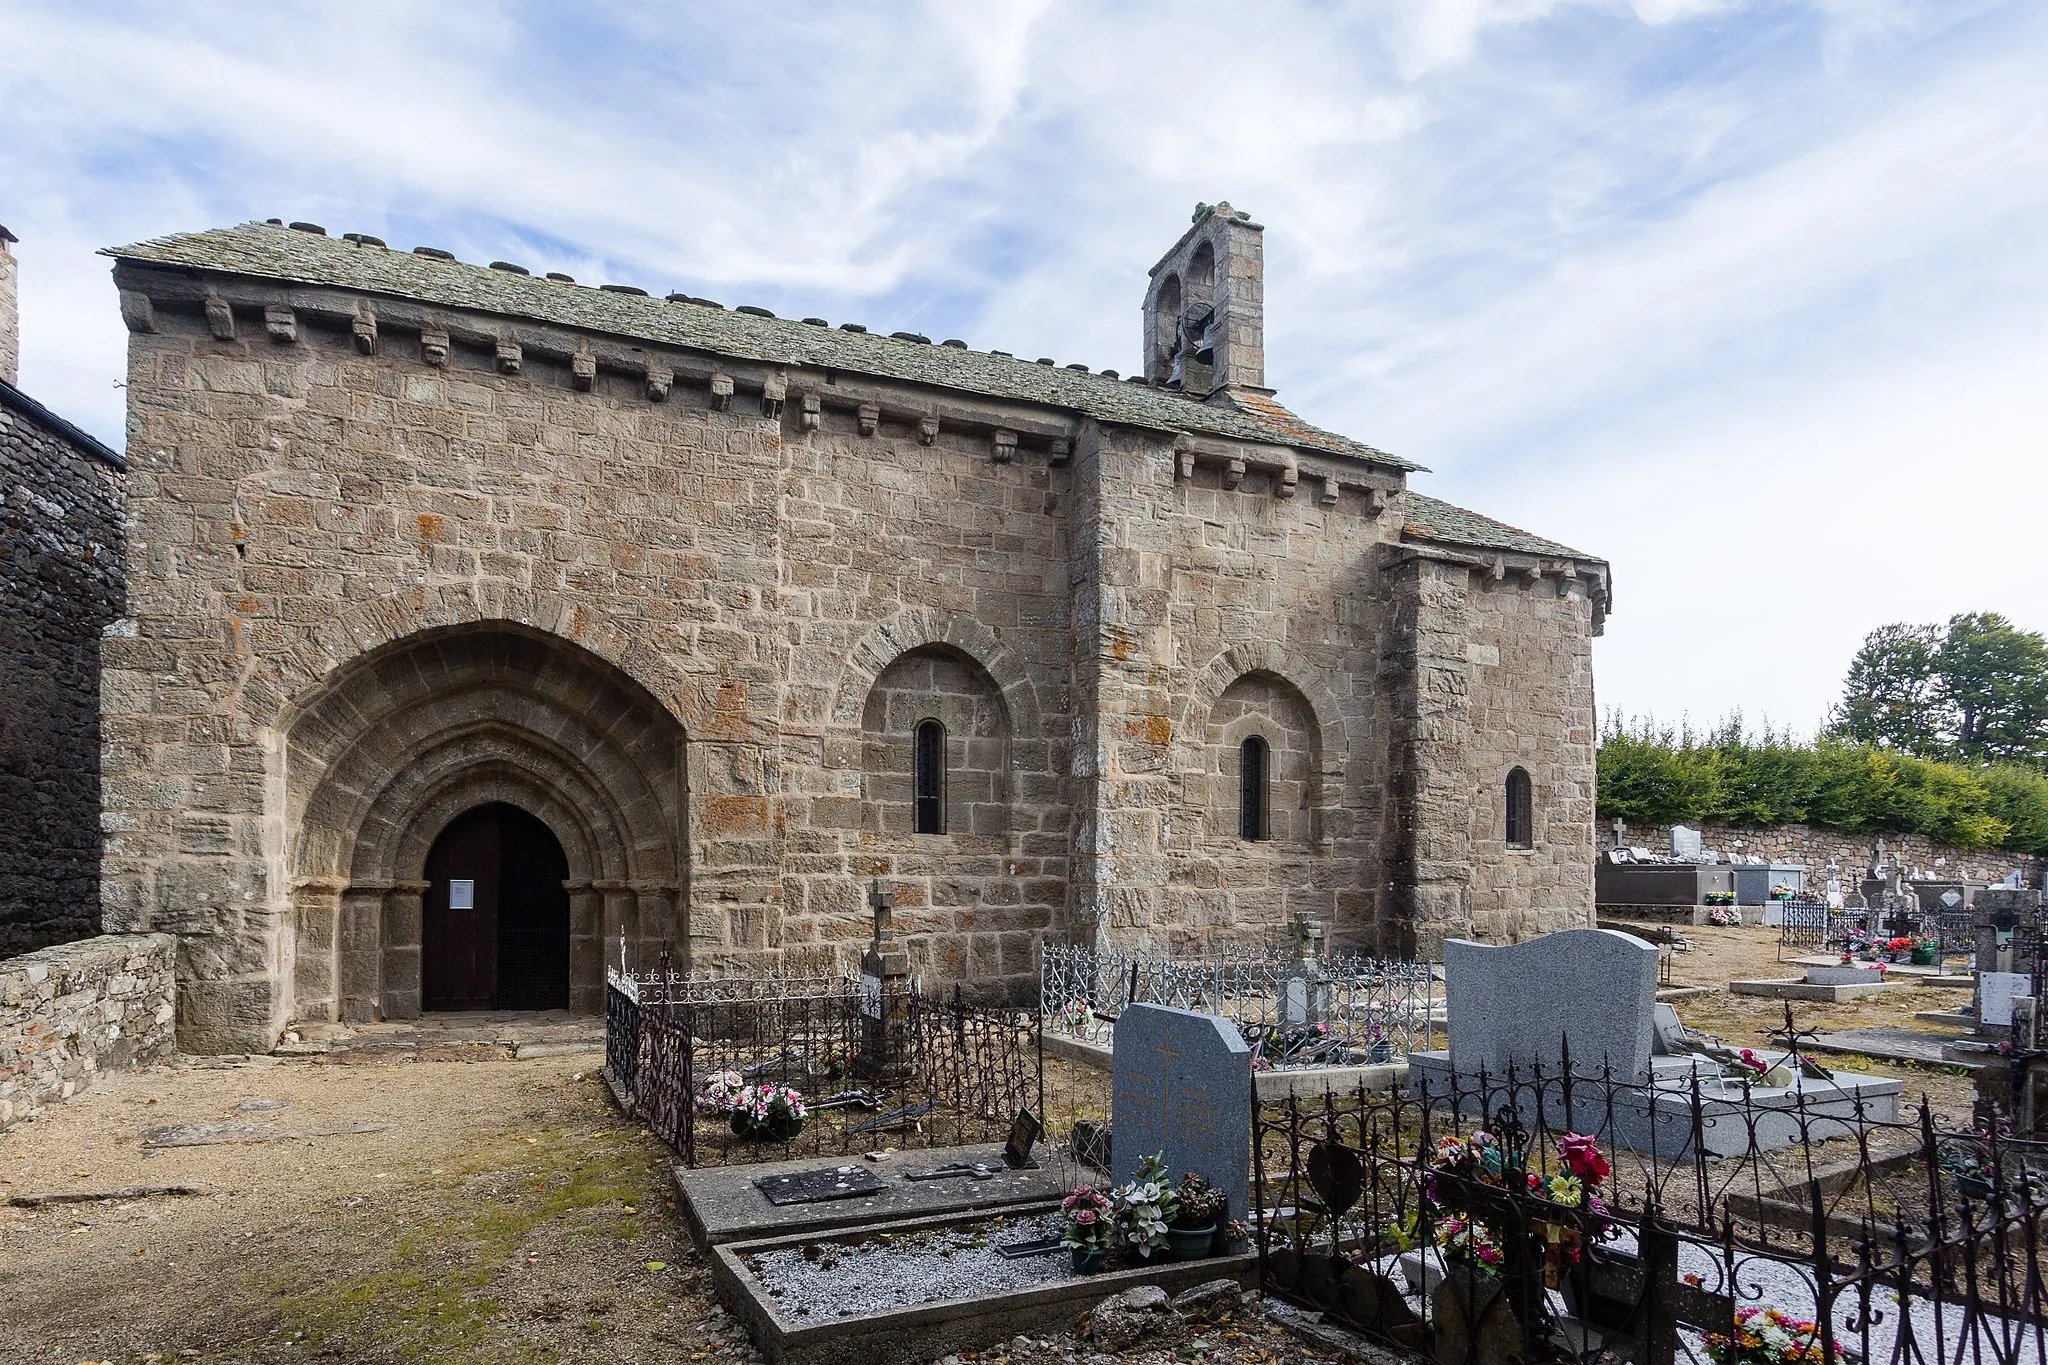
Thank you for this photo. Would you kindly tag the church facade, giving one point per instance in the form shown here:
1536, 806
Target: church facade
485, 628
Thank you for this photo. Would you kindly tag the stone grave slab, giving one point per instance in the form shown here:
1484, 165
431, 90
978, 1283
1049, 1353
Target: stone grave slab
817, 1186
1182, 1085
1518, 1004
724, 1204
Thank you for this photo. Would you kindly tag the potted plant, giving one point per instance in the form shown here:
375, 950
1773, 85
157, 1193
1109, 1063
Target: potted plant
1143, 1207
1088, 1226
772, 1111
1191, 1234
1926, 951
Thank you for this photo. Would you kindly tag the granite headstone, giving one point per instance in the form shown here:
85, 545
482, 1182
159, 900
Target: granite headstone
1593, 988
1181, 1084
1685, 843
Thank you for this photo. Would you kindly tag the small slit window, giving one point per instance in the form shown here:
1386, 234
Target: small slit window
928, 764
1520, 821
1252, 762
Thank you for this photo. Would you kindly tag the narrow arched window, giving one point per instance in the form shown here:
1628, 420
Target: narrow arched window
1521, 817
928, 764
1252, 758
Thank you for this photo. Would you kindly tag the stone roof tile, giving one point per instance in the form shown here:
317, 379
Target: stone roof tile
279, 253
1427, 518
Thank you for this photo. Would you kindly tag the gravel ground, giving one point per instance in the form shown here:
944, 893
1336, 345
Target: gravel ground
830, 1279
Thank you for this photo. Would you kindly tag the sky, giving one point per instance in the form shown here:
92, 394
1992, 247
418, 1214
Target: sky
1749, 299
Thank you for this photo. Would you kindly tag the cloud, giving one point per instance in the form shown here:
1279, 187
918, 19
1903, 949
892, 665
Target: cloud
1739, 294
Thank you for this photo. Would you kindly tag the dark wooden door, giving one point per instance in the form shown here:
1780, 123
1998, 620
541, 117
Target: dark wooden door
496, 917
533, 915
459, 929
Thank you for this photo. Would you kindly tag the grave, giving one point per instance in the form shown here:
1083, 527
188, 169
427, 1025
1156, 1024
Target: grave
1593, 992
886, 1308
729, 1203
1828, 984
1182, 1086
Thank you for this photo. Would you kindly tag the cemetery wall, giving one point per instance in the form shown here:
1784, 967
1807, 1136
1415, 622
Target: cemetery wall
60, 587
1812, 848
70, 1012
1531, 706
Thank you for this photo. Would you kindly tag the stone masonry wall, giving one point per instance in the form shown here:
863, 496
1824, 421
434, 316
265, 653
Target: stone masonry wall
60, 587
69, 1012
1812, 848
392, 561
1531, 685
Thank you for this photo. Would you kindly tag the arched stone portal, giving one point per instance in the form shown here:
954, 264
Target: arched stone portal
398, 744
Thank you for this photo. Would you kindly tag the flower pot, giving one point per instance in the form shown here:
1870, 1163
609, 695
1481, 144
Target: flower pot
1382, 1051
1090, 1260
782, 1127
1923, 957
1191, 1244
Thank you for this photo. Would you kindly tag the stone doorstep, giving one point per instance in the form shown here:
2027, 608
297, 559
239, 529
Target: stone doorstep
1791, 988
721, 1204
927, 1331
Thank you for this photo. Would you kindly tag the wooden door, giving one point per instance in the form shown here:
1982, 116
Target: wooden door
459, 930
533, 915
496, 927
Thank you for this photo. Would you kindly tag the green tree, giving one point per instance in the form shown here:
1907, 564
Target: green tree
1891, 695
1992, 682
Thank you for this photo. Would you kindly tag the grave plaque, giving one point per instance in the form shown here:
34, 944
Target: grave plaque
1182, 1085
811, 1187
1517, 1005
1685, 843
1996, 991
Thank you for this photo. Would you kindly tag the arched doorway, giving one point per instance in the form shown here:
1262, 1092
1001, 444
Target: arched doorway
495, 930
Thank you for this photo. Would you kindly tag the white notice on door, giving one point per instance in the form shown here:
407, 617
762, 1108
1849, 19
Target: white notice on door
1996, 992
461, 895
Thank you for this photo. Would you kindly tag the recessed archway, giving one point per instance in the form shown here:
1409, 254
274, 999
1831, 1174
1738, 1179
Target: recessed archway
408, 739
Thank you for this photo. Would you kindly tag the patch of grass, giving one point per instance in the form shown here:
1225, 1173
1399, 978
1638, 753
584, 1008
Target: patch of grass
439, 1296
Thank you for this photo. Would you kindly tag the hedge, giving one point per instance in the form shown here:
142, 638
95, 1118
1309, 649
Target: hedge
1653, 776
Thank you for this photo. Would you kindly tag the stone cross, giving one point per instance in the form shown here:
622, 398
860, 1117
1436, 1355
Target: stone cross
881, 900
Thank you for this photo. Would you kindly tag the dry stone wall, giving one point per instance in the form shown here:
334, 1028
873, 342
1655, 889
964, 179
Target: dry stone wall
60, 587
1811, 848
70, 1012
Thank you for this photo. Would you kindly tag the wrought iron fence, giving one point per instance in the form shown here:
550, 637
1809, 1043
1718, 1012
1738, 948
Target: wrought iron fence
1362, 1009
1503, 1218
679, 1049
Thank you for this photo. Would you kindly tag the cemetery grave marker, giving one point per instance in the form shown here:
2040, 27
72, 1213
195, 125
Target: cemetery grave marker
1182, 1086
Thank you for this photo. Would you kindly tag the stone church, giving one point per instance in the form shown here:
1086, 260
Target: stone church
484, 628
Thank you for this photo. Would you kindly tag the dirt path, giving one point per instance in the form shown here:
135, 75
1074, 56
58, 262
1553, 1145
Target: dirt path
506, 1213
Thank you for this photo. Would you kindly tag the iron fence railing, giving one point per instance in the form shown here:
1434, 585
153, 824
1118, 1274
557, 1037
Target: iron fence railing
1362, 1008
947, 1072
1500, 1218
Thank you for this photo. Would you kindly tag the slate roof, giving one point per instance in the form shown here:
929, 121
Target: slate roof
11, 397
1427, 518
287, 254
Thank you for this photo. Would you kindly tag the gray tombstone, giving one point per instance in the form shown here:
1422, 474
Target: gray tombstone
1671, 1039
1685, 843
1181, 1084
1593, 988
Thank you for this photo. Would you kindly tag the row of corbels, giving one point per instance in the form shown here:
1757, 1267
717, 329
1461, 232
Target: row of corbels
280, 323
1534, 572
1235, 460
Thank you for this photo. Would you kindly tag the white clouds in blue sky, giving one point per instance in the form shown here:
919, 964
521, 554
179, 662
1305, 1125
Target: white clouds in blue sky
1748, 298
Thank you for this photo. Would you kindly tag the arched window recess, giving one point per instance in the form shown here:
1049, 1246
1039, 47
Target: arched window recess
1521, 824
